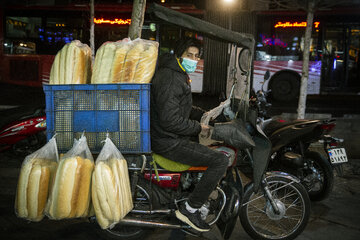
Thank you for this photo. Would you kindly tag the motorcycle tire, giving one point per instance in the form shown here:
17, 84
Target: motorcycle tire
285, 87
128, 232
29, 145
259, 220
322, 165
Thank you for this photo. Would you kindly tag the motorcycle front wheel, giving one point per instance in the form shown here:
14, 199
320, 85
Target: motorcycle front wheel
259, 219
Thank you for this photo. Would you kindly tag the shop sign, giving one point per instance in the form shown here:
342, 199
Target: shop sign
294, 24
118, 21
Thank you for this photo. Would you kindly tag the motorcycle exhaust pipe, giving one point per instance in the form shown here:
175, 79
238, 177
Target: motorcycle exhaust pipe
128, 221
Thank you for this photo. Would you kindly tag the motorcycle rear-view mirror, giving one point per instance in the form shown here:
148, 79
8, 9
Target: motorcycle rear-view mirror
244, 60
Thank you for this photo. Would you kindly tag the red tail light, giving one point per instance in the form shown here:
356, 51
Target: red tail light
327, 127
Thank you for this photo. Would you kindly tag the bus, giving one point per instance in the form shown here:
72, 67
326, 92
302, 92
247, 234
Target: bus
30, 36
334, 66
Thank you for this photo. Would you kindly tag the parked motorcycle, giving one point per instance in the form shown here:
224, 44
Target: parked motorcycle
23, 129
290, 149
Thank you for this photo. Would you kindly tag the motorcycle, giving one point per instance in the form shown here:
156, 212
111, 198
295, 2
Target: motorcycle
290, 148
23, 129
273, 205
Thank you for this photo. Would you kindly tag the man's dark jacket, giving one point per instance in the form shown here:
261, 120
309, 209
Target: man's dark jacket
171, 104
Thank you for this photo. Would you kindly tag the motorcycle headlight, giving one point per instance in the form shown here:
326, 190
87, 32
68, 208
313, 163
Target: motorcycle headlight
41, 124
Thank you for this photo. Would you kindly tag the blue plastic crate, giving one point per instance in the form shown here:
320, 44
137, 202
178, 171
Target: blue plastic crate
122, 110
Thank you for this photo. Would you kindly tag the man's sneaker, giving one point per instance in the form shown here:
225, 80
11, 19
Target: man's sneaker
193, 219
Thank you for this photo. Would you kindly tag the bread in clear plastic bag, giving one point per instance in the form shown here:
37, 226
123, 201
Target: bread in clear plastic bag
111, 193
128, 61
71, 193
35, 182
72, 64
145, 68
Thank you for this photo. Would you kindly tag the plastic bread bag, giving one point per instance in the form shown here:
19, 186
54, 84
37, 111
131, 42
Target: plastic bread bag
70, 195
72, 64
35, 182
111, 193
125, 61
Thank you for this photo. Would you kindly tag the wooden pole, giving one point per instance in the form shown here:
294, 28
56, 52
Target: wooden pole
137, 19
92, 30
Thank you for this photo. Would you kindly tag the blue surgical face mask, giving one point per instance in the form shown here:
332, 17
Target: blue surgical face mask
189, 65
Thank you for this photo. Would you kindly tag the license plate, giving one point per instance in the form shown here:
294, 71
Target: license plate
337, 155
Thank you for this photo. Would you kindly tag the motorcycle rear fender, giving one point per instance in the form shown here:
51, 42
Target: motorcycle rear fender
273, 174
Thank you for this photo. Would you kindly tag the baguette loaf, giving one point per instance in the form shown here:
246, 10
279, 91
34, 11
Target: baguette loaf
54, 73
78, 76
35, 180
119, 166
146, 67
101, 193
88, 63
63, 68
70, 196
97, 65
83, 199
111, 192
131, 62
69, 62
106, 62
101, 219
119, 62
38, 191
21, 194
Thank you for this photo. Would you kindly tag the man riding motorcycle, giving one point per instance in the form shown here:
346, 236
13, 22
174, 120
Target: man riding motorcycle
171, 128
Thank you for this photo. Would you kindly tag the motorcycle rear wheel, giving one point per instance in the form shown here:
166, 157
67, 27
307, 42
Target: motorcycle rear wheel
326, 183
261, 222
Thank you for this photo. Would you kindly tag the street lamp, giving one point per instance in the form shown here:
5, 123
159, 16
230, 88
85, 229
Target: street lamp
228, 4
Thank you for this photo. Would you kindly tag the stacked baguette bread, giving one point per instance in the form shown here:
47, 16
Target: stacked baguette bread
70, 195
35, 182
125, 61
72, 64
111, 194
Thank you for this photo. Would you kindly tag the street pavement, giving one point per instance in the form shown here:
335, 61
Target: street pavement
337, 217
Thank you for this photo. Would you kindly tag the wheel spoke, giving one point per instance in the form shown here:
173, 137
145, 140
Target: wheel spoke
290, 194
292, 217
292, 204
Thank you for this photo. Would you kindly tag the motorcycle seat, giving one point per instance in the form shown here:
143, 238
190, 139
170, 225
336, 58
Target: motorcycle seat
173, 166
278, 124
20, 113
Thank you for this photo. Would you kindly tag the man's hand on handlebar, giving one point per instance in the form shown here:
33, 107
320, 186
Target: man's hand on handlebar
205, 130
